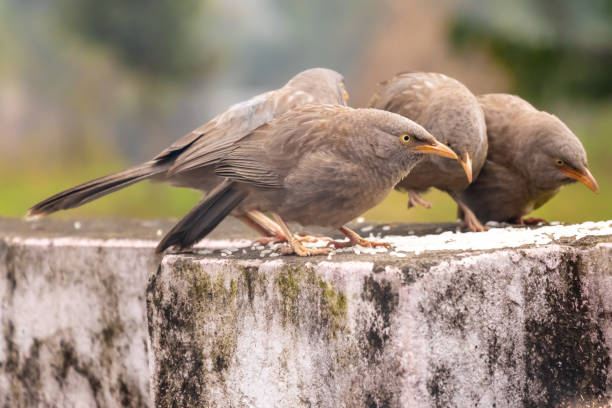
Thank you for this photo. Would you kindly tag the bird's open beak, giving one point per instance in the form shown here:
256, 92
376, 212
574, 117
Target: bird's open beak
466, 163
584, 176
436, 148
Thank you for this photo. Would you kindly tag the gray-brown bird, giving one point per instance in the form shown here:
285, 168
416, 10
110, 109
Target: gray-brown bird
316, 165
183, 164
531, 155
450, 112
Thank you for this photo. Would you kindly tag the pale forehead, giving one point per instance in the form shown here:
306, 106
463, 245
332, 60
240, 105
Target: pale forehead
558, 138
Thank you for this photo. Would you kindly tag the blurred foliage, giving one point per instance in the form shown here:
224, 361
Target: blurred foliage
83, 84
35, 181
160, 37
550, 48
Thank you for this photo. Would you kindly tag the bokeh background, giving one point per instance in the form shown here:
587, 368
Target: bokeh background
88, 87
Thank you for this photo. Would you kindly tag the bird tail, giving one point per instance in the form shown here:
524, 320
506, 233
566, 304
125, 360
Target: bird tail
204, 217
91, 190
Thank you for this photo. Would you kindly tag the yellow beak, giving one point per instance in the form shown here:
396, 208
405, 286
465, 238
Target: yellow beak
436, 148
346, 96
466, 163
584, 176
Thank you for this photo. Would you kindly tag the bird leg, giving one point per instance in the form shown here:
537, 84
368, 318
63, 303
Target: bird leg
294, 244
261, 228
415, 199
356, 239
469, 218
270, 230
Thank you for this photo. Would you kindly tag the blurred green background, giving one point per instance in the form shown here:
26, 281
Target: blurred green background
90, 87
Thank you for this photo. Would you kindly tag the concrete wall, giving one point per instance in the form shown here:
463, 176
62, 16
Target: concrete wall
508, 318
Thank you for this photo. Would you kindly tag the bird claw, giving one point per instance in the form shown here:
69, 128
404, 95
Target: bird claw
529, 221
473, 224
362, 242
307, 237
300, 250
280, 238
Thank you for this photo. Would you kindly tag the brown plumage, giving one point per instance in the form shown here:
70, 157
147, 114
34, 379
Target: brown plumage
450, 112
531, 155
316, 165
189, 161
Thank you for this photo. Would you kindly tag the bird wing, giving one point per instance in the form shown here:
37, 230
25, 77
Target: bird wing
504, 103
266, 157
207, 144
407, 93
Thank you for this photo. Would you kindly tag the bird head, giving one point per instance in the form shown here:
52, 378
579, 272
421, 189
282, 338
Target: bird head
413, 137
464, 131
558, 156
325, 85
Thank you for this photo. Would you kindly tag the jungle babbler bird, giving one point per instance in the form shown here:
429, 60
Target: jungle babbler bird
316, 165
183, 163
531, 155
450, 112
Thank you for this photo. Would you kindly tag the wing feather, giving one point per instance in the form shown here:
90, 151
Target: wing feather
235, 124
267, 156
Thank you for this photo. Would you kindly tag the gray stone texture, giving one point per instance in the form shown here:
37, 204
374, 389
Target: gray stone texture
525, 327
73, 316
90, 317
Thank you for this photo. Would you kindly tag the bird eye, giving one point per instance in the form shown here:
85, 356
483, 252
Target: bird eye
406, 138
559, 162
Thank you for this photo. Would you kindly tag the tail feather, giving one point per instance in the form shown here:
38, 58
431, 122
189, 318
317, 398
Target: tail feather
204, 217
91, 190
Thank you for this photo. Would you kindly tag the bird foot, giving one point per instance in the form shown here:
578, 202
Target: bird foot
415, 199
528, 221
361, 242
301, 237
473, 224
307, 237
270, 240
297, 248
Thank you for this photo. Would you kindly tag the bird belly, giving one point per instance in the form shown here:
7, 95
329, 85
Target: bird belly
331, 203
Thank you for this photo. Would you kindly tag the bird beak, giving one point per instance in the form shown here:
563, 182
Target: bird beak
346, 96
584, 176
436, 148
466, 163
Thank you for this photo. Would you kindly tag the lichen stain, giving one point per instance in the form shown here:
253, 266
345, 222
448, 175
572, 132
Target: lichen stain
440, 387
249, 274
289, 288
68, 359
302, 284
25, 377
385, 300
566, 353
333, 307
180, 371
448, 307
9, 261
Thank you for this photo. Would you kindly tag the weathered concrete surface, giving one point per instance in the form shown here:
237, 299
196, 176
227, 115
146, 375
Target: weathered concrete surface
73, 329
442, 320
449, 320
73, 316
